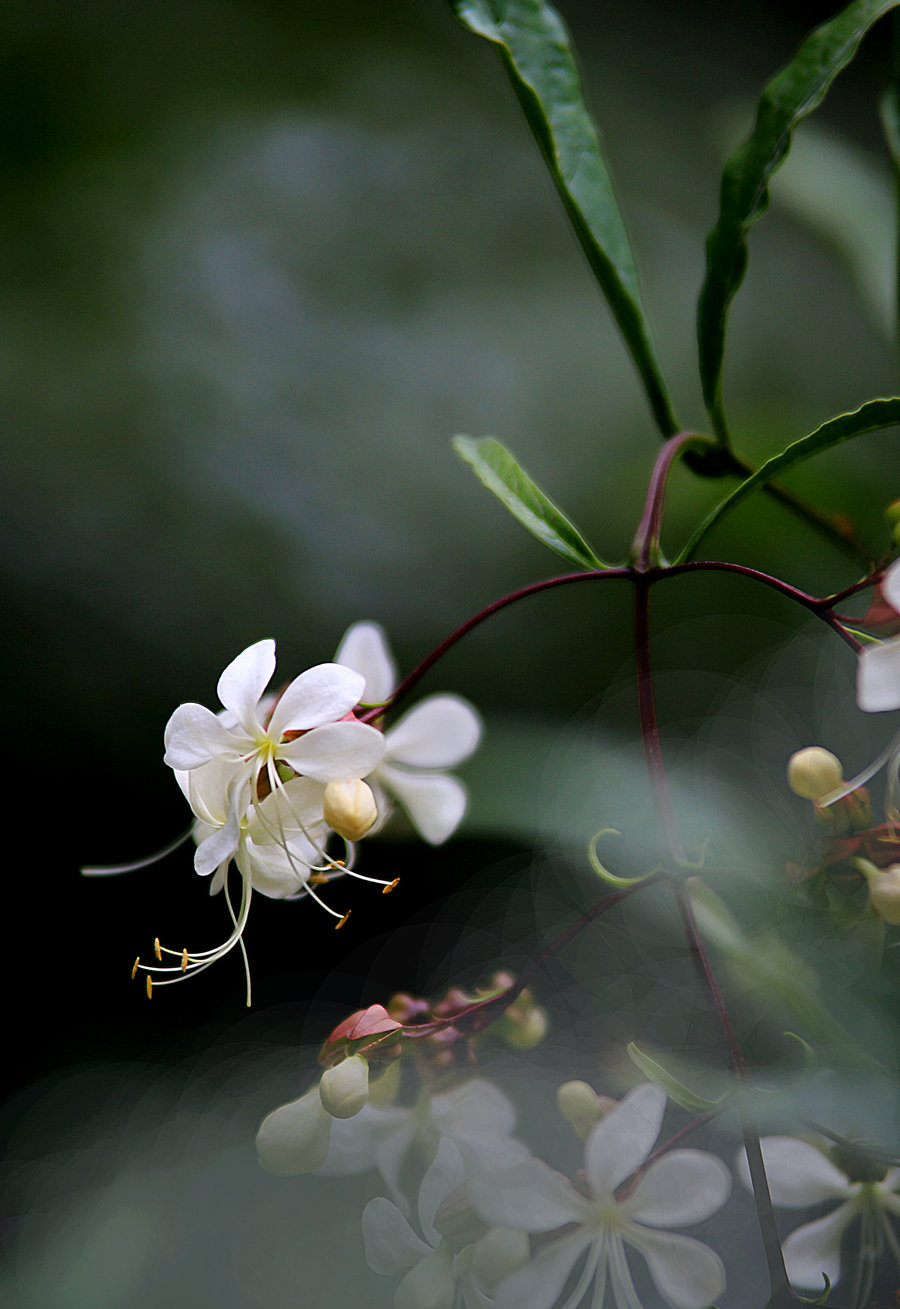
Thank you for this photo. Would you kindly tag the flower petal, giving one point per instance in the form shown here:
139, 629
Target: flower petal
194, 735
878, 677
320, 695
813, 1252
539, 1283
435, 802
528, 1195
335, 752
445, 1175
389, 1242
365, 649
683, 1187
438, 733
797, 1172
430, 1284
473, 1111
242, 683
686, 1272
218, 847
621, 1141
294, 1137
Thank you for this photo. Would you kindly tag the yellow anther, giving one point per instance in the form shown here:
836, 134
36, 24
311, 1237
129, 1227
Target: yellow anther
339, 925
184, 960
386, 890
135, 968
157, 948
149, 987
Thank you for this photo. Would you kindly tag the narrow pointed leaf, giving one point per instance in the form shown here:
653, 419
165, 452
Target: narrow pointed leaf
789, 97
535, 49
676, 1090
870, 417
501, 473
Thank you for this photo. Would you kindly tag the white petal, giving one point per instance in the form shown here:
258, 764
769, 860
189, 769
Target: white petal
294, 1137
320, 695
473, 1110
194, 735
878, 677
528, 1195
218, 848
435, 802
538, 1284
335, 752
621, 1141
438, 733
365, 649
207, 790
241, 685
274, 871
683, 1187
813, 1252
890, 585
389, 1241
686, 1272
354, 1141
429, 1285
444, 1175
296, 808
797, 1172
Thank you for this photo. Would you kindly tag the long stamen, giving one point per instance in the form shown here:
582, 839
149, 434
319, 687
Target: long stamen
112, 870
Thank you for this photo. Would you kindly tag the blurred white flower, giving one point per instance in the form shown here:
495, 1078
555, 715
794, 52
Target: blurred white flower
438, 1274
878, 670
436, 734
800, 1175
681, 1187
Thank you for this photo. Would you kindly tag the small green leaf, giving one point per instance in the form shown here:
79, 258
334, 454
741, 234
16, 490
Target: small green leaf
788, 98
500, 473
870, 417
674, 1089
535, 48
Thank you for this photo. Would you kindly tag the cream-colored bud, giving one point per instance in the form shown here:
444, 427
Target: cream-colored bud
294, 1138
581, 1106
344, 1089
813, 772
884, 894
350, 808
529, 1029
497, 1254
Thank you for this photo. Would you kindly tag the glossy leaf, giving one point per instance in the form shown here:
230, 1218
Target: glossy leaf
787, 99
870, 417
534, 45
500, 473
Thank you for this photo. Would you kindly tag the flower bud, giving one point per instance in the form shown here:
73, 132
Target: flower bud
350, 808
526, 1028
884, 891
892, 513
344, 1089
294, 1138
813, 772
497, 1254
581, 1106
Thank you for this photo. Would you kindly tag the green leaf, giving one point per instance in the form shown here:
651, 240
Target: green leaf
674, 1089
870, 417
788, 98
500, 473
535, 49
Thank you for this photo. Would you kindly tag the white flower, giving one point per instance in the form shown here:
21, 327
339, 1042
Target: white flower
681, 1187
437, 1274
303, 730
438, 733
800, 1175
878, 670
